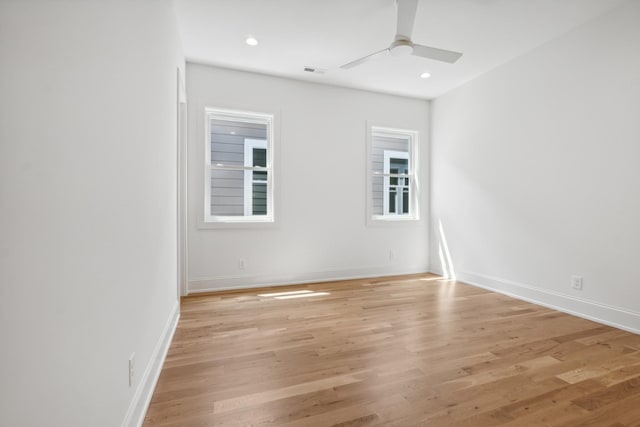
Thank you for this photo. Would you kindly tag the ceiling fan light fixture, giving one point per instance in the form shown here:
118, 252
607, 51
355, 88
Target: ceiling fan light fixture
251, 41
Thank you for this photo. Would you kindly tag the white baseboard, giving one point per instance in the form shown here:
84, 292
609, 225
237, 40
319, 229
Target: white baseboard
258, 281
436, 271
142, 397
617, 317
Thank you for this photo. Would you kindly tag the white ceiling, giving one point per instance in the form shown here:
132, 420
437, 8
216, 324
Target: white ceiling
293, 34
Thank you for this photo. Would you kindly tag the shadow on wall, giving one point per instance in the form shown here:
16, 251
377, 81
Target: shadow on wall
445, 256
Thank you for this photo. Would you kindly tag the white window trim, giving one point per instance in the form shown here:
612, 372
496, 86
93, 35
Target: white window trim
414, 181
249, 145
388, 155
246, 117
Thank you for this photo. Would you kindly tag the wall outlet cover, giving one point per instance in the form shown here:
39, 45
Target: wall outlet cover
576, 282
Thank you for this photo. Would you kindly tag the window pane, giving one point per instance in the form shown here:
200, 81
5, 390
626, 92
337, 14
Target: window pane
394, 179
227, 192
400, 166
405, 201
392, 200
227, 140
259, 176
259, 198
260, 157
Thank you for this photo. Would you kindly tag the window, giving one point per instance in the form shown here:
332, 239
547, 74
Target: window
393, 186
238, 170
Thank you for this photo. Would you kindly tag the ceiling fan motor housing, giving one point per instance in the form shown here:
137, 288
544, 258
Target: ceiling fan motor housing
401, 47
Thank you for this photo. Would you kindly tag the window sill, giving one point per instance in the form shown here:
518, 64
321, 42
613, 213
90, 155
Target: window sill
391, 221
236, 223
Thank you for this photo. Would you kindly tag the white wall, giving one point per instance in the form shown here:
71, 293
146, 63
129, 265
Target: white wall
535, 173
321, 231
88, 206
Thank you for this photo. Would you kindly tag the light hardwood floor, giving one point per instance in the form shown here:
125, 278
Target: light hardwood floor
407, 350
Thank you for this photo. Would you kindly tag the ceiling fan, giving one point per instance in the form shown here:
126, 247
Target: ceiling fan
402, 45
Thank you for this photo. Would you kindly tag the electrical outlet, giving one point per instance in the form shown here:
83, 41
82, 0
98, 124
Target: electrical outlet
392, 255
241, 264
576, 282
132, 368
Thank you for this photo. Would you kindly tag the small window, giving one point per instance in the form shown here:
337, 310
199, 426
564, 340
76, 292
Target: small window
238, 170
392, 169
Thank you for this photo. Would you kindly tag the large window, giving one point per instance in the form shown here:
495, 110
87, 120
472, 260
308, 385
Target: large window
238, 170
393, 185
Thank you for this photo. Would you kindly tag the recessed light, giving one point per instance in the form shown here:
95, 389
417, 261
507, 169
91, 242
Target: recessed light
425, 75
232, 133
251, 41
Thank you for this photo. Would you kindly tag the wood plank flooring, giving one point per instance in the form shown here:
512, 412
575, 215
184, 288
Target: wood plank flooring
398, 351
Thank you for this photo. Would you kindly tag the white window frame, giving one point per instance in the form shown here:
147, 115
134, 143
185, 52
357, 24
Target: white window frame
412, 136
245, 117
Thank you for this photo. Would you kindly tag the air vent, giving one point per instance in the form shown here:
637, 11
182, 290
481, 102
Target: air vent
315, 70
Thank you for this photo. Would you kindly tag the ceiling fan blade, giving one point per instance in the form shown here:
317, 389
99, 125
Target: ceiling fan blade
437, 54
406, 16
364, 59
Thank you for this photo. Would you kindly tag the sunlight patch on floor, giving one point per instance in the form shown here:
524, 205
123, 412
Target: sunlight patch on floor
293, 294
